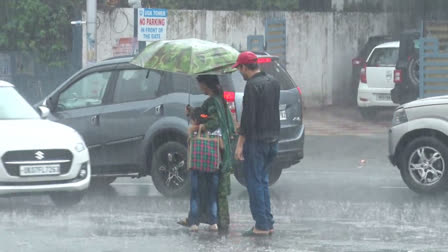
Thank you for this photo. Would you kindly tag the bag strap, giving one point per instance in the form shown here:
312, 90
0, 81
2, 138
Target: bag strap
207, 135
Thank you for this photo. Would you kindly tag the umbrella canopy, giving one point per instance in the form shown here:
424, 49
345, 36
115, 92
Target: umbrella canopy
188, 56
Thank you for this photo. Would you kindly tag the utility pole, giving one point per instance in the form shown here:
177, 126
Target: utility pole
91, 32
141, 44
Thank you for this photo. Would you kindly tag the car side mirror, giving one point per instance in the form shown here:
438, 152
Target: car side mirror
50, 103
44, 111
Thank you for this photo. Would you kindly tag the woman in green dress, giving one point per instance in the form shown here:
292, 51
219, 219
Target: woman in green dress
219, 117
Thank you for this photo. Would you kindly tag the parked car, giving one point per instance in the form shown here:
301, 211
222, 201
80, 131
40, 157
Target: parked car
376, 79
406, 74
361, 58
418, 144
37, 155
134, 124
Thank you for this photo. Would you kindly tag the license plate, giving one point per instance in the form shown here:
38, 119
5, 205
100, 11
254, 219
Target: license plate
383, 97
282, 115
40, 170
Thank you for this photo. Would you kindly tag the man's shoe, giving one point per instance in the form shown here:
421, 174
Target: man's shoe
213, 228
254, 232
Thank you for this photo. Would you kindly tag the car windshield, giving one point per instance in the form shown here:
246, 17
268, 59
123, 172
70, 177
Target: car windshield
383, 57
273, 68
13, 106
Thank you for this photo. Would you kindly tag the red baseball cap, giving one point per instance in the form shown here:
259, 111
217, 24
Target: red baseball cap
247, 57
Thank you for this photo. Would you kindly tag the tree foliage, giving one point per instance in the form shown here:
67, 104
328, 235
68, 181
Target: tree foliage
38, 26
226, 5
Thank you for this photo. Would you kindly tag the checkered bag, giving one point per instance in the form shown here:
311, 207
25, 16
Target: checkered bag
204, 152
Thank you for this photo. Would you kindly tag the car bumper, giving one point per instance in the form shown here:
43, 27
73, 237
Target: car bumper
290, 152
71, 181
396, 133
370, 97
80, 185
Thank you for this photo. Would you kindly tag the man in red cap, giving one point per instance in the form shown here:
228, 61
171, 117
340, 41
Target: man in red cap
259, 134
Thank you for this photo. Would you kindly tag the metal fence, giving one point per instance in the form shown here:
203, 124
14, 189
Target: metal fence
433, 51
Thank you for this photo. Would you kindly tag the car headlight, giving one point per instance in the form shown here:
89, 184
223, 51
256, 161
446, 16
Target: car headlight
399, 117
80, 147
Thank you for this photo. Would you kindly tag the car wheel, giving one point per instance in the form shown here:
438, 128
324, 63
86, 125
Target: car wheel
423, 165
66, 199
169, 170
102, 181
368, 113
274, 175
414, 70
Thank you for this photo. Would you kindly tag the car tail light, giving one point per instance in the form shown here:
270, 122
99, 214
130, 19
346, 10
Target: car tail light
357, 61
264, 60
397, 76
363, 74
300, 90
230, 99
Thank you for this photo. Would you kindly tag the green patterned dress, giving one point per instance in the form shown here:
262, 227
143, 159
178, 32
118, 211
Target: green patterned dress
219, 118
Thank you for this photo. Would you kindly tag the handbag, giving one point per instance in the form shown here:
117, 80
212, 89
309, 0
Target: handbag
204, 152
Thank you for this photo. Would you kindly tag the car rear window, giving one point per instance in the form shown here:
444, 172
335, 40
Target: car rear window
273, 68
383, 57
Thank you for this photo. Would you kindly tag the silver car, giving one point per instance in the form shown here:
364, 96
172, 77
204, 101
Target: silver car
418, 144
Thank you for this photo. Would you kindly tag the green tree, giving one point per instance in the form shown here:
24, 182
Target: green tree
291, 5
38, 26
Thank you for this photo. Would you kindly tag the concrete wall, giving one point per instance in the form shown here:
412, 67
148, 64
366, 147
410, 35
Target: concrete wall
320, 45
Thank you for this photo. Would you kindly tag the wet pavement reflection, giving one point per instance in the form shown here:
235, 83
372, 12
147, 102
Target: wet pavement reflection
320, 205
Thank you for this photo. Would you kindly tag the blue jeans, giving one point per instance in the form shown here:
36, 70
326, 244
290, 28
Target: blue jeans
212, 180
257, 158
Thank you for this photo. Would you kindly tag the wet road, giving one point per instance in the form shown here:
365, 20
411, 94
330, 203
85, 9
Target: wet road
326, 203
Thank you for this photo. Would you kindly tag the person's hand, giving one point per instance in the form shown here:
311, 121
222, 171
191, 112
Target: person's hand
187, 110
239, 153
201, 127
194, 127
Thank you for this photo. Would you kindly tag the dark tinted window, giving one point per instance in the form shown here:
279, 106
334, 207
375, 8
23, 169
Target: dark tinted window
195, 90
273, 69
136, 85
383, 57
176, 83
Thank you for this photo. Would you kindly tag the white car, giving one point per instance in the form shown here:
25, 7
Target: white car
37, 155
418, 144
377, 79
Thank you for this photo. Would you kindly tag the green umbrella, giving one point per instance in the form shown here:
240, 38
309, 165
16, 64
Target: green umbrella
188, 56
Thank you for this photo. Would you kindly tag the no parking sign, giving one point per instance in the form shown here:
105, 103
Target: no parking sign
152, 24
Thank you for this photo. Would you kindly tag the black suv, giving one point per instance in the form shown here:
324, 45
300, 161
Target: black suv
406, 75
133, 119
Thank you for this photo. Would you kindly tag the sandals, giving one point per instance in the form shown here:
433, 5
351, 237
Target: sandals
184, 222
251, 232
213, 228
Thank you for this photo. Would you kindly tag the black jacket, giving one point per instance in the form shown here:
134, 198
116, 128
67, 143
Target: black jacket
260, 120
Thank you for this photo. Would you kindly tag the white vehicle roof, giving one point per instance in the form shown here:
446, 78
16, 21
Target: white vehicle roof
393, 44
5, 84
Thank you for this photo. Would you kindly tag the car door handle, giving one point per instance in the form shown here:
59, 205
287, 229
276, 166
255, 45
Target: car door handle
95, 120
159, 109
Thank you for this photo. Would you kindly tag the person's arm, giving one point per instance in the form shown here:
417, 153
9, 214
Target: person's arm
248, 115
239, 148
247, 120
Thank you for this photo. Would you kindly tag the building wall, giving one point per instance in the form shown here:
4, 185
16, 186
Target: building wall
320, 45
